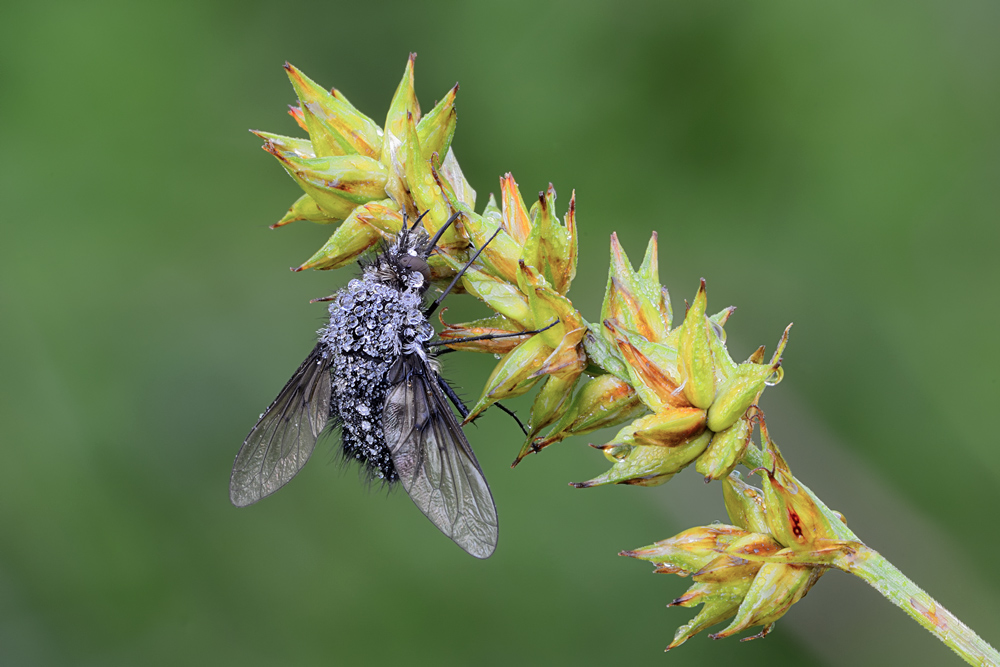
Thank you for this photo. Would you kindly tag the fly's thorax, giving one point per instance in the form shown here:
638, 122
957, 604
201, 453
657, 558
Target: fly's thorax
376, 320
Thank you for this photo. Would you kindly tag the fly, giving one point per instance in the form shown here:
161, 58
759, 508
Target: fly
373, 374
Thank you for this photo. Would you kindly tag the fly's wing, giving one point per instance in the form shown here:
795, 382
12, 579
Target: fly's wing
284, 437
434, 460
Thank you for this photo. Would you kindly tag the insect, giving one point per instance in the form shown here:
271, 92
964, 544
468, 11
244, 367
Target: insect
374, 374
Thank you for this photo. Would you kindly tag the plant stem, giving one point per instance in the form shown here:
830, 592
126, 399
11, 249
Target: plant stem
884, 577
893, 584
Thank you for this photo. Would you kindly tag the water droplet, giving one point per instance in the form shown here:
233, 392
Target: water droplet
618, 452
719, 331
775, 377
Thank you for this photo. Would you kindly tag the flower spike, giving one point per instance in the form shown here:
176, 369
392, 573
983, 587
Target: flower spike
674, 393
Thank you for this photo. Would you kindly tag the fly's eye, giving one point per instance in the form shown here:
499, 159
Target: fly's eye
416, 264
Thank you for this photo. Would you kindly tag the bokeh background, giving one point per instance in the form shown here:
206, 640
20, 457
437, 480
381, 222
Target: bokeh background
835, 165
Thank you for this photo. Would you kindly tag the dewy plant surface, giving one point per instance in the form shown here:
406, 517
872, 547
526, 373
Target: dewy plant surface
677, 395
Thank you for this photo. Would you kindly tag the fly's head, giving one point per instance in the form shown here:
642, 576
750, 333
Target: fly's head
403, 264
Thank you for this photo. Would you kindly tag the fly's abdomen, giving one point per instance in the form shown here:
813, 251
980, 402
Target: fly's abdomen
371, 325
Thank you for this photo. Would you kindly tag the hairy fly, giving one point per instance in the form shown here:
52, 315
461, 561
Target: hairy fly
373, 374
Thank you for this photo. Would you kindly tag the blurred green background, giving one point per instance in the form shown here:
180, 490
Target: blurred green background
836, 165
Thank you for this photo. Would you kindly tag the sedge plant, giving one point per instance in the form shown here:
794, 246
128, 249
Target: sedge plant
665, 378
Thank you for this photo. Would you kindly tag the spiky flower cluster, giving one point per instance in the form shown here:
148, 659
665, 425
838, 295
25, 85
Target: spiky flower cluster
682, 397
367, 177
700, 399
781, 544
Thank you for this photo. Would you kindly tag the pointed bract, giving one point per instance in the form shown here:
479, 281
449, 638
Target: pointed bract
437, 128
362, 229
601, 402
635, 298
695, 352
336, 184
424, 188
650, 368
649, 465
305, 208
335, 127
689, 550
453, 176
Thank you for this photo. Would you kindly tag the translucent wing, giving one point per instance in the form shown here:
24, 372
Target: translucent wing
434, 460
284, 437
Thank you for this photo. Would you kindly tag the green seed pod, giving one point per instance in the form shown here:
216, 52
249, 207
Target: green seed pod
651, 368
753, 547
288, 145
605, 355
499, 256
775, 588
362, 229
690, 550
650, 465
551, 402
726, 449
559, 240
721, 602
305, 208
745, 504
635, 298
403, 107
743, 387
513, 375
736, 395
425, 188
601, 402
793, 517
668, 428
725, 568
498, 294
695, 353
338, 183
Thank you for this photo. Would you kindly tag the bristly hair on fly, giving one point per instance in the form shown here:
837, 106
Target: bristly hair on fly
373, 373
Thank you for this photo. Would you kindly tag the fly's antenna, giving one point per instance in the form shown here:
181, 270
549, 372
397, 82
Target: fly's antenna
437, 235
418, 220
437, 302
